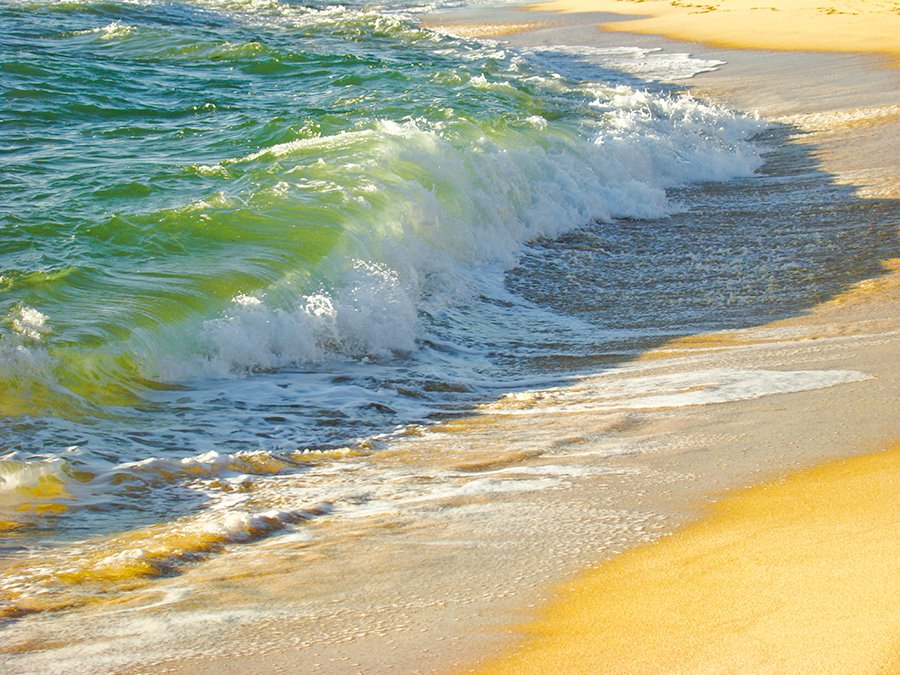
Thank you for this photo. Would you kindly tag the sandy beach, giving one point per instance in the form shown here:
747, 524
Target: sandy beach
869, 26
798, 574
461, 588
674, 495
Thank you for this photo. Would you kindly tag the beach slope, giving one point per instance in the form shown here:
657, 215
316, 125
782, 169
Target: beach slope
799, 575
869, 26
795, 575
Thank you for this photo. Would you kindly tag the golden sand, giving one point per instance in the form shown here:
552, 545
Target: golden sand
799, 575
811, 25
887, 286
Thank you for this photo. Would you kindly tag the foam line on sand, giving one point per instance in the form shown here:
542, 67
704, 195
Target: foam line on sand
797, 575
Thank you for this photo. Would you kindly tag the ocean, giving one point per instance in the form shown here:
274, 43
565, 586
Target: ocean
246, 246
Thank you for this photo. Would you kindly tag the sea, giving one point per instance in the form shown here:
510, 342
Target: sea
246, 245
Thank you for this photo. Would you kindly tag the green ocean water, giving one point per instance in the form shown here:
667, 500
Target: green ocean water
203, 190
238, 235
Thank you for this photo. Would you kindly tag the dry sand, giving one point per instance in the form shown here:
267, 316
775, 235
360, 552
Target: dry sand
870, 26
801, 575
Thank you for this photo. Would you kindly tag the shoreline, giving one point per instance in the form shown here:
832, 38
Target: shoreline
794, 575
445, 591
591, 621
427, 615
845, 26
841, 102
424, 612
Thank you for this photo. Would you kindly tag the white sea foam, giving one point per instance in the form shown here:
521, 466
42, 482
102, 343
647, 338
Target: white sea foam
18, 474
369, 314
21, 349
29, 323
626, 388
110, 31
484, 486
722, 386
204, 465
647, 64
430, 210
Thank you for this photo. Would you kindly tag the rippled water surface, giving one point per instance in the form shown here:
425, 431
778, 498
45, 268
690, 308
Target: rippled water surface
257, 238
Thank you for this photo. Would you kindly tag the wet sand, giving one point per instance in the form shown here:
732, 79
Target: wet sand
453, 587
798, 575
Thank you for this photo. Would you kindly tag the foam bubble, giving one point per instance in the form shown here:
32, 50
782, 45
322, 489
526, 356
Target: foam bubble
371, 313
30, 488
722, 386
29, 323
204, 465
648, 64
22, 353
30, 479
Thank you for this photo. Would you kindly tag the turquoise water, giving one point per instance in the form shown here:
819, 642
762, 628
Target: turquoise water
241, 237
